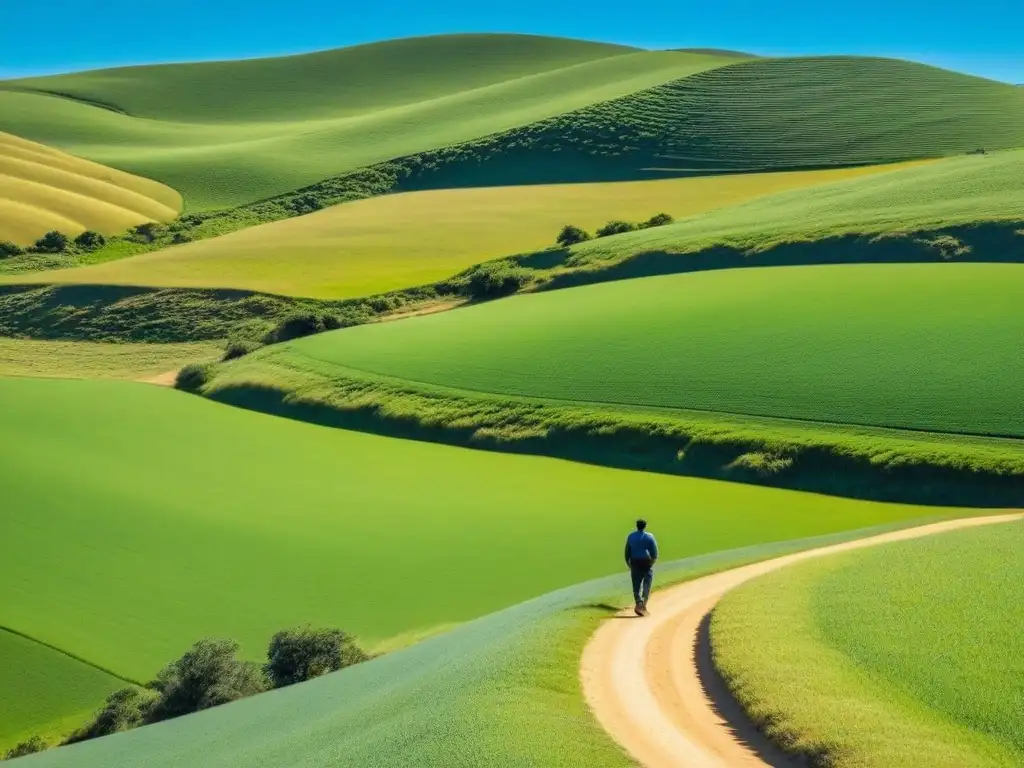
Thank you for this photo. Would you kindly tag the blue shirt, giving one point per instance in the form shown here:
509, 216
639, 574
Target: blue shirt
640, 545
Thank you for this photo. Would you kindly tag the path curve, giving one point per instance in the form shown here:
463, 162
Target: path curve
650, 681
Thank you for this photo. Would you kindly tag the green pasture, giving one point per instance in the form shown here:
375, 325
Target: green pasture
773, 113
930, 347
903, 654
225, 133
139, 519
929, 196
45, 692
396, 241
98, 360
503, 689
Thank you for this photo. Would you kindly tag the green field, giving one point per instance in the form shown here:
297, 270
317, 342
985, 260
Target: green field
223, 133
505, 686
185, 519
43, 691
97, 360
43, 189
924, 347
396, 241
902, 654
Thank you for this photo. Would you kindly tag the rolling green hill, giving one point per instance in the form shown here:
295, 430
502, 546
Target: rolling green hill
355, 107
904, 654
925, 347
184, 519
392, 242
43, 189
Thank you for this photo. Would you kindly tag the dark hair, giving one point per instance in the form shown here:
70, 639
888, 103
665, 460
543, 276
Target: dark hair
641, 524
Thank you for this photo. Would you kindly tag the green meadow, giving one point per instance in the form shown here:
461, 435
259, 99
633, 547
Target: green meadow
184, 519
221, 134
505, 686
902, 654
922, 347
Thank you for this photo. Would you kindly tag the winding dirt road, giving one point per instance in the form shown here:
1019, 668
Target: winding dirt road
651, 684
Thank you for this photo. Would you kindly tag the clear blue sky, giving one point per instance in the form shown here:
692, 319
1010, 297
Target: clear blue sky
39, 36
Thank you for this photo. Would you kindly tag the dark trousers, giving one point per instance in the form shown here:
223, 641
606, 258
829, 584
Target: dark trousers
642, 573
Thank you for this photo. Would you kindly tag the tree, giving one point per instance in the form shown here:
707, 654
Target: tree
658, 220
615, 228
8, 249
146, 232
296, 655
90, 240
193, 376
30, 747
124, 709
52, 242
208, 675
571, 235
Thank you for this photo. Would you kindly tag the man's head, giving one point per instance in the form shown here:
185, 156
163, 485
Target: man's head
641, 524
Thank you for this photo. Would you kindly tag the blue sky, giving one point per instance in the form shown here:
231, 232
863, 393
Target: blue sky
40, 36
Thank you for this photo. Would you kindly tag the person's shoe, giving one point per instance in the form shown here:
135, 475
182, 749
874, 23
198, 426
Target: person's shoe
638, 609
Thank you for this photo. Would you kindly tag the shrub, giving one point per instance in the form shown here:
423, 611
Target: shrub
615, 228
571, 235
90, 240
52, 242
305, 204
193, 376
181, 237
239, 348
124, 709
301, 654
300, 324
495, 279
30, 747
145, 233
208, 675
8, 249
657, 220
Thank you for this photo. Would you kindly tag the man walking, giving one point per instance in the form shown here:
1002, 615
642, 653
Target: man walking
641, 554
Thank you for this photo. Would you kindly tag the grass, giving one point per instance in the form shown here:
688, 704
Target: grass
43, 189
98, 360
269, 137
184, 519
44, 692
502, 689
391, 242
904, 654
922, 347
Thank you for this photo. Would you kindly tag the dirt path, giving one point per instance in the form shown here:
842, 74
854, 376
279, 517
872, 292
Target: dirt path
651, 684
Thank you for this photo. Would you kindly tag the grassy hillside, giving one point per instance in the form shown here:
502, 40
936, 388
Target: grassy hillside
43, 691
926, 347
904, 654
96, 360
503, 689
43, 189
185, 519
755, 115
395, 241
220, 151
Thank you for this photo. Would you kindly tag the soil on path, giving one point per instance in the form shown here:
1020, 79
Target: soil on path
651, 684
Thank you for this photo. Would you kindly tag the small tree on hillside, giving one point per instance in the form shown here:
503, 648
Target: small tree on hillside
147, 232
301, 654
124, 709
615, 228
658, 220
52, 242
8, 249
208, 675
30, 747
90, 240
571, 235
